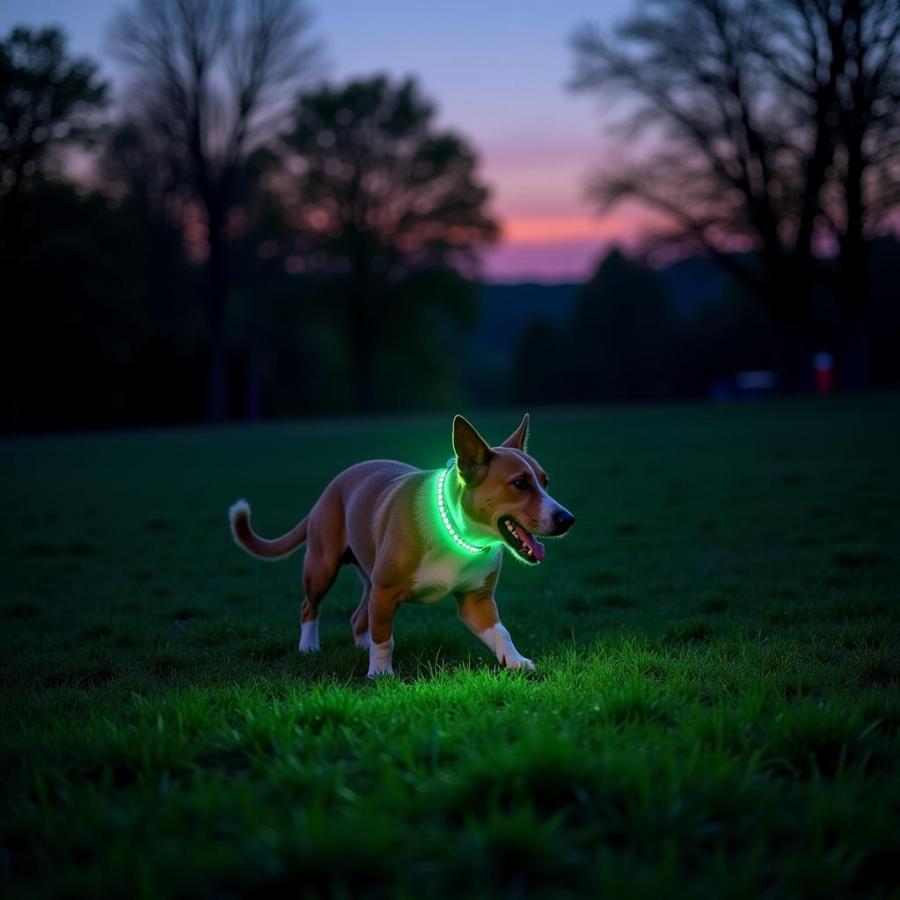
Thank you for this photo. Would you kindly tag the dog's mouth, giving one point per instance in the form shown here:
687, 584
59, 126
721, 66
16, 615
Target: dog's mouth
524, 544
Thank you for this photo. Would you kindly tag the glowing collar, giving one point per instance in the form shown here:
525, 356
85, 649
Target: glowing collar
445, 517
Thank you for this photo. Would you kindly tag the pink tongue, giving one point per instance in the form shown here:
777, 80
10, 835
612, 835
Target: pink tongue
537, 548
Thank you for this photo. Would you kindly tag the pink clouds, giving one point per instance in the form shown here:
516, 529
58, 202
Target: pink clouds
554, 248
543, 262
550, 231
563, 229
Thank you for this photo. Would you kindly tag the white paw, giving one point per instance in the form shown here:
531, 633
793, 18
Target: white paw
517, 661
380, 658
309, 637
498, 639
362, 640
380, 673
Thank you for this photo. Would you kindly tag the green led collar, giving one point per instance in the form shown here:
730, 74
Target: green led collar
445, 517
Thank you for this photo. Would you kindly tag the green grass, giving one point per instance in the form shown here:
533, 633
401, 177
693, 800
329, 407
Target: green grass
715, 710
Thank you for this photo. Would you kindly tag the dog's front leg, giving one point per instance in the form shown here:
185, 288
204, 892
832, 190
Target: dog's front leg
383, 603
479, 611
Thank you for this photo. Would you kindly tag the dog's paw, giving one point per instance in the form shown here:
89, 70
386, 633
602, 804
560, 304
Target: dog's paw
381, 673
309, 637
517, 661
362, 640
380, 657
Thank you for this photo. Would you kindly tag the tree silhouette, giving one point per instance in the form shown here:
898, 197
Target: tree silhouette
757, 114
867, 164
48, 101
213, 78
379, 195
619, 335
545, 348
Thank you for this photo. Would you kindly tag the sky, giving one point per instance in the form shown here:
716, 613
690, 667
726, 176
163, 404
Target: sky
497, 70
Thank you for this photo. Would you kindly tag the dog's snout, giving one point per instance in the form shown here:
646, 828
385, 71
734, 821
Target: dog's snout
563, 520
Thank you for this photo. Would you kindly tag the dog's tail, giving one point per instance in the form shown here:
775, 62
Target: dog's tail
247, 539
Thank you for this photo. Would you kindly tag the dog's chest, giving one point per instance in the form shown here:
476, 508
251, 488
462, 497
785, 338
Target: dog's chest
442, 573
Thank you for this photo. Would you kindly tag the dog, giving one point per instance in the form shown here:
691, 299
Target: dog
417, 536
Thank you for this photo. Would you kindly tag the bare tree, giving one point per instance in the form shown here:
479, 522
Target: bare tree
854, 46
747, 105
215, 79
866, 196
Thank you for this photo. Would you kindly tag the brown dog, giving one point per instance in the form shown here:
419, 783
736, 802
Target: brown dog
416, 536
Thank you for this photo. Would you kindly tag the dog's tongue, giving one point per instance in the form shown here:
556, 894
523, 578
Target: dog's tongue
537, 548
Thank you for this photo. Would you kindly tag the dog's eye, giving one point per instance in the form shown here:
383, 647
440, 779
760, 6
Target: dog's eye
521, 484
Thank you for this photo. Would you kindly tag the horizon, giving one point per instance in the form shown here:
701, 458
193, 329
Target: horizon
537, 142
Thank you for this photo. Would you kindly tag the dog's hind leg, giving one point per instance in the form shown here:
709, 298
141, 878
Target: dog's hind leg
318, 576
320, 568
359, 621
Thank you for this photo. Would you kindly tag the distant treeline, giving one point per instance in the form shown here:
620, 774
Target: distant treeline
112, 329
637, 333
246, 240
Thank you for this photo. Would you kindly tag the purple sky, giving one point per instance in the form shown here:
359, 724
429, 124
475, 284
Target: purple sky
497, 69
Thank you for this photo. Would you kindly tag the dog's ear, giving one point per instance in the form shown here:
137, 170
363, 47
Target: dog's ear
518, 440
471, 449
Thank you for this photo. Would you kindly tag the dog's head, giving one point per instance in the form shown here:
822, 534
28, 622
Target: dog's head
504, 491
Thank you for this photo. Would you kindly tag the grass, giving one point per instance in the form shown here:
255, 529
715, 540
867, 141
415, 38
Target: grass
715, 711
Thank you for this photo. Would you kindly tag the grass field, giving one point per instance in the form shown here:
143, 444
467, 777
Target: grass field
715, 710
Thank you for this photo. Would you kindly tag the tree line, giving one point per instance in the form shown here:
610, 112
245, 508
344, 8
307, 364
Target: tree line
237, 237
764, 125
250, 240
636, 332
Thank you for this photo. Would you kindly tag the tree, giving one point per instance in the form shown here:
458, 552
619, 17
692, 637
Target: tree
857, 116
867, 169
380, 195
541, 370
620, 334
212, 81
48, 102
748, 105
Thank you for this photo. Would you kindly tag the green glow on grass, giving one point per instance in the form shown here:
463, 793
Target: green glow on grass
443, 506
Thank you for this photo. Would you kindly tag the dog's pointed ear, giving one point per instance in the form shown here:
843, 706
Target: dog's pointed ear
518, 440
471, 449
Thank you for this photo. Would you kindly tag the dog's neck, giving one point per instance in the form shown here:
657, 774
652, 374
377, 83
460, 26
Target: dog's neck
442, 512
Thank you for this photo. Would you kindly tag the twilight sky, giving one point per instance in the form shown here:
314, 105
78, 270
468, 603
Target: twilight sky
497, 70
